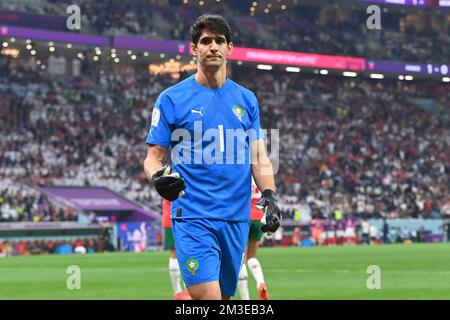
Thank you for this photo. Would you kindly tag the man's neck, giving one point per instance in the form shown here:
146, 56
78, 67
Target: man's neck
211, 79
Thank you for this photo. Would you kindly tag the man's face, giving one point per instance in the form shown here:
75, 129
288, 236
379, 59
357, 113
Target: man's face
211, 49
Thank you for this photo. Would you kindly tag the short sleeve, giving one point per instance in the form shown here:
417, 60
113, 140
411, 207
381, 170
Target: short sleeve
255, 132
162, 122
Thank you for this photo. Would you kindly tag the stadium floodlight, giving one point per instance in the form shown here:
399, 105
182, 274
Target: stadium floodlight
162, 55
145, 54
38, 62
5, 44
113, 50
33, 52
95, 58
116, 60
264, 67
113, 55
133, 57
12, 39
401, 77
129, 52
293, 69
80, 55
28, 41
323, 72
29, 46
43, 66
409, 78
69, 45
446, 79
377, 76
51, 49
50, 44
349, 74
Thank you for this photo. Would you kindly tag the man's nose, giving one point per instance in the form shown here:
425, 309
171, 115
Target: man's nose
214, 46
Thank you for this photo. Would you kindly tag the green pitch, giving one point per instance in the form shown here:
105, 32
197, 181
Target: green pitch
420, 271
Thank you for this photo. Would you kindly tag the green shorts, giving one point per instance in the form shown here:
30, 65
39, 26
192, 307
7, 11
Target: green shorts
255, 231
169, 241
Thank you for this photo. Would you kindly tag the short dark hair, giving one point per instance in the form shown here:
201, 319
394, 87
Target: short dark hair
213, 22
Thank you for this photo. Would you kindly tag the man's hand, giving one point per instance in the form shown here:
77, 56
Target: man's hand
169, 185
272, 214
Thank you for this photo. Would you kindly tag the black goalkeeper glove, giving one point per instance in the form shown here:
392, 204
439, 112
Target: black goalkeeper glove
169, 185
272, 214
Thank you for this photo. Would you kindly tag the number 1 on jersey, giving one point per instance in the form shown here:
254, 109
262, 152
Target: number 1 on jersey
222, 147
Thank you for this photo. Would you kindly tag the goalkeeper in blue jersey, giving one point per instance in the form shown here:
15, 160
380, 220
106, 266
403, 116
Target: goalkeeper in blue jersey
211, 124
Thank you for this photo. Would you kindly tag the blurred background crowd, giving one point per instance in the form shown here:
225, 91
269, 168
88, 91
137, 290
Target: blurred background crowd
362, 147
334, 30
354, 148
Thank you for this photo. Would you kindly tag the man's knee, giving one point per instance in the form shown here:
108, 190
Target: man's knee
205, 291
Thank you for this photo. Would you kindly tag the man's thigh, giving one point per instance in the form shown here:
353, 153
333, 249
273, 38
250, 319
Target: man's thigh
198, 251
210, 250
233, 238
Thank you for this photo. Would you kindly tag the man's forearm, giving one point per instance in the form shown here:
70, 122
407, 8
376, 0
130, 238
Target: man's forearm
263, 175
153, 162
151, 166
264, 179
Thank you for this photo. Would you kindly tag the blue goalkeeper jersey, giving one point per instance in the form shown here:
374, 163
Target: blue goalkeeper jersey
209, 132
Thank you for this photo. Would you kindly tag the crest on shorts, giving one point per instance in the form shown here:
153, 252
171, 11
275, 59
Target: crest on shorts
192, 265
238, 111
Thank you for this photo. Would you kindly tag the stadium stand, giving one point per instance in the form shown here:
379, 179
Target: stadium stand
363, 148
326, 30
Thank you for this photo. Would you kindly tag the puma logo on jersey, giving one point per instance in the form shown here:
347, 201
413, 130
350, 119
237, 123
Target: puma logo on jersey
198, 111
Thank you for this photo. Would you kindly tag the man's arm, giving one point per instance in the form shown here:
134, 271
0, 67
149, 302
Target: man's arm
262, 170
153, 161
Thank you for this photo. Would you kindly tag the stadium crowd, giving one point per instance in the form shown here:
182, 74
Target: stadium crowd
300, 28
361, 147
20, 202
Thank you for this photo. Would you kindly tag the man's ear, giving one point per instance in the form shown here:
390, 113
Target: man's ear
193, 48
230, 47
